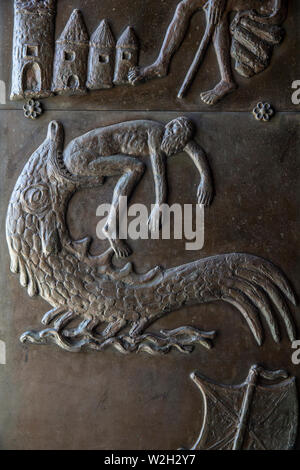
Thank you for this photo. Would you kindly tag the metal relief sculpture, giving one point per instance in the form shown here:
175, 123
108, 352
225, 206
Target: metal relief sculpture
115, 307
263, 112
255, 31
259, 414
33, 47
96, 305
254, 37
32, 109
101, 58
114, 150
126, 56
79, 64
71, 64
71, 55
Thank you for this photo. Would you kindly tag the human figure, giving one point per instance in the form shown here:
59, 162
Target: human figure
217, 13
114, 151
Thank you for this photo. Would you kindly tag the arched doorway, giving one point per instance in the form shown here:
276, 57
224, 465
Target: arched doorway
31, 78
73, 82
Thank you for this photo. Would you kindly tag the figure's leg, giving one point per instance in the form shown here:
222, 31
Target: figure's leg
173, 39
221, 42
132, 170
123, 188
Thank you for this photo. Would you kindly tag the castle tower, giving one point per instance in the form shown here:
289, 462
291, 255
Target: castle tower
126, 56
71, 55
101, 58
33, 46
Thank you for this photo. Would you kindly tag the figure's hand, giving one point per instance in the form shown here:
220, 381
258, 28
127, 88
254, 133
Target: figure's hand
134, 76
155, 219
205, 193
216, 11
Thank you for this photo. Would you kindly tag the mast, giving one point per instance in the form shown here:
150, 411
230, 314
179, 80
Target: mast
254, 374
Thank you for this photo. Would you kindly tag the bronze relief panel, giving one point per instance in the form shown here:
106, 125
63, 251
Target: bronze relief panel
193, 54
119, 116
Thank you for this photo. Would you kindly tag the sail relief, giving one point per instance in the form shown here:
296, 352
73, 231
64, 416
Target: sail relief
259, 414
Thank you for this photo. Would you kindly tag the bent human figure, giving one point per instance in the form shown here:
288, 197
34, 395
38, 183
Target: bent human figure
115, 150
217, 14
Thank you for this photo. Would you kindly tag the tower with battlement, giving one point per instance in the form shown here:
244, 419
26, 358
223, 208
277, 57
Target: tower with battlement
33, 46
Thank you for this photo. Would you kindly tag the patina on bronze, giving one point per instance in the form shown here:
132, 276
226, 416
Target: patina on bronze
41, 250
249, 411
255, 31
142, 303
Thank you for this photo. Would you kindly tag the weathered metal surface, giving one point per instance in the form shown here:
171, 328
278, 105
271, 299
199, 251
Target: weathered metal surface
151, 387
259, 414
150, 24
58, 400
105, 301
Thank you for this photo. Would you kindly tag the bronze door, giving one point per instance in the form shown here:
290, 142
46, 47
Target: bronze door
182, 341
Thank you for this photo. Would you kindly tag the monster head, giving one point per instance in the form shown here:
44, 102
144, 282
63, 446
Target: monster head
32, 218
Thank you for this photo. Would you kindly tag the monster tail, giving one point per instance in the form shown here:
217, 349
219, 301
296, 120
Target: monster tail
256, 287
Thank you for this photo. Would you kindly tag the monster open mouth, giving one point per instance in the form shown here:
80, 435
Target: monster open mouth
57, 160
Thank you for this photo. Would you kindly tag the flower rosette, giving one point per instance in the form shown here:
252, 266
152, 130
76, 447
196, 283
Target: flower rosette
263, 112
32, 109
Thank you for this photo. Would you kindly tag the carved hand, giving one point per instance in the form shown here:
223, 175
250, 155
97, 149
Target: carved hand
216, 11
205, 192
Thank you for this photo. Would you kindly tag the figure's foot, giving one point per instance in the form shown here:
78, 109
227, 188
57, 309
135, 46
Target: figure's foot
216, 94
137, 75
120, 248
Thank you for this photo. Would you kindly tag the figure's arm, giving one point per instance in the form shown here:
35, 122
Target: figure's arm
159, 175
205, 191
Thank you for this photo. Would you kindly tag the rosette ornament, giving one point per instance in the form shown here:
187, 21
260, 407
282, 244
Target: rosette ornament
263, 112
32, 109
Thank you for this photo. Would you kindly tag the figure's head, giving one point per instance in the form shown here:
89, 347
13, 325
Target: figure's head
177, 134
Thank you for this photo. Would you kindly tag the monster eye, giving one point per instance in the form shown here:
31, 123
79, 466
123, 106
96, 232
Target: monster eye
36, 199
